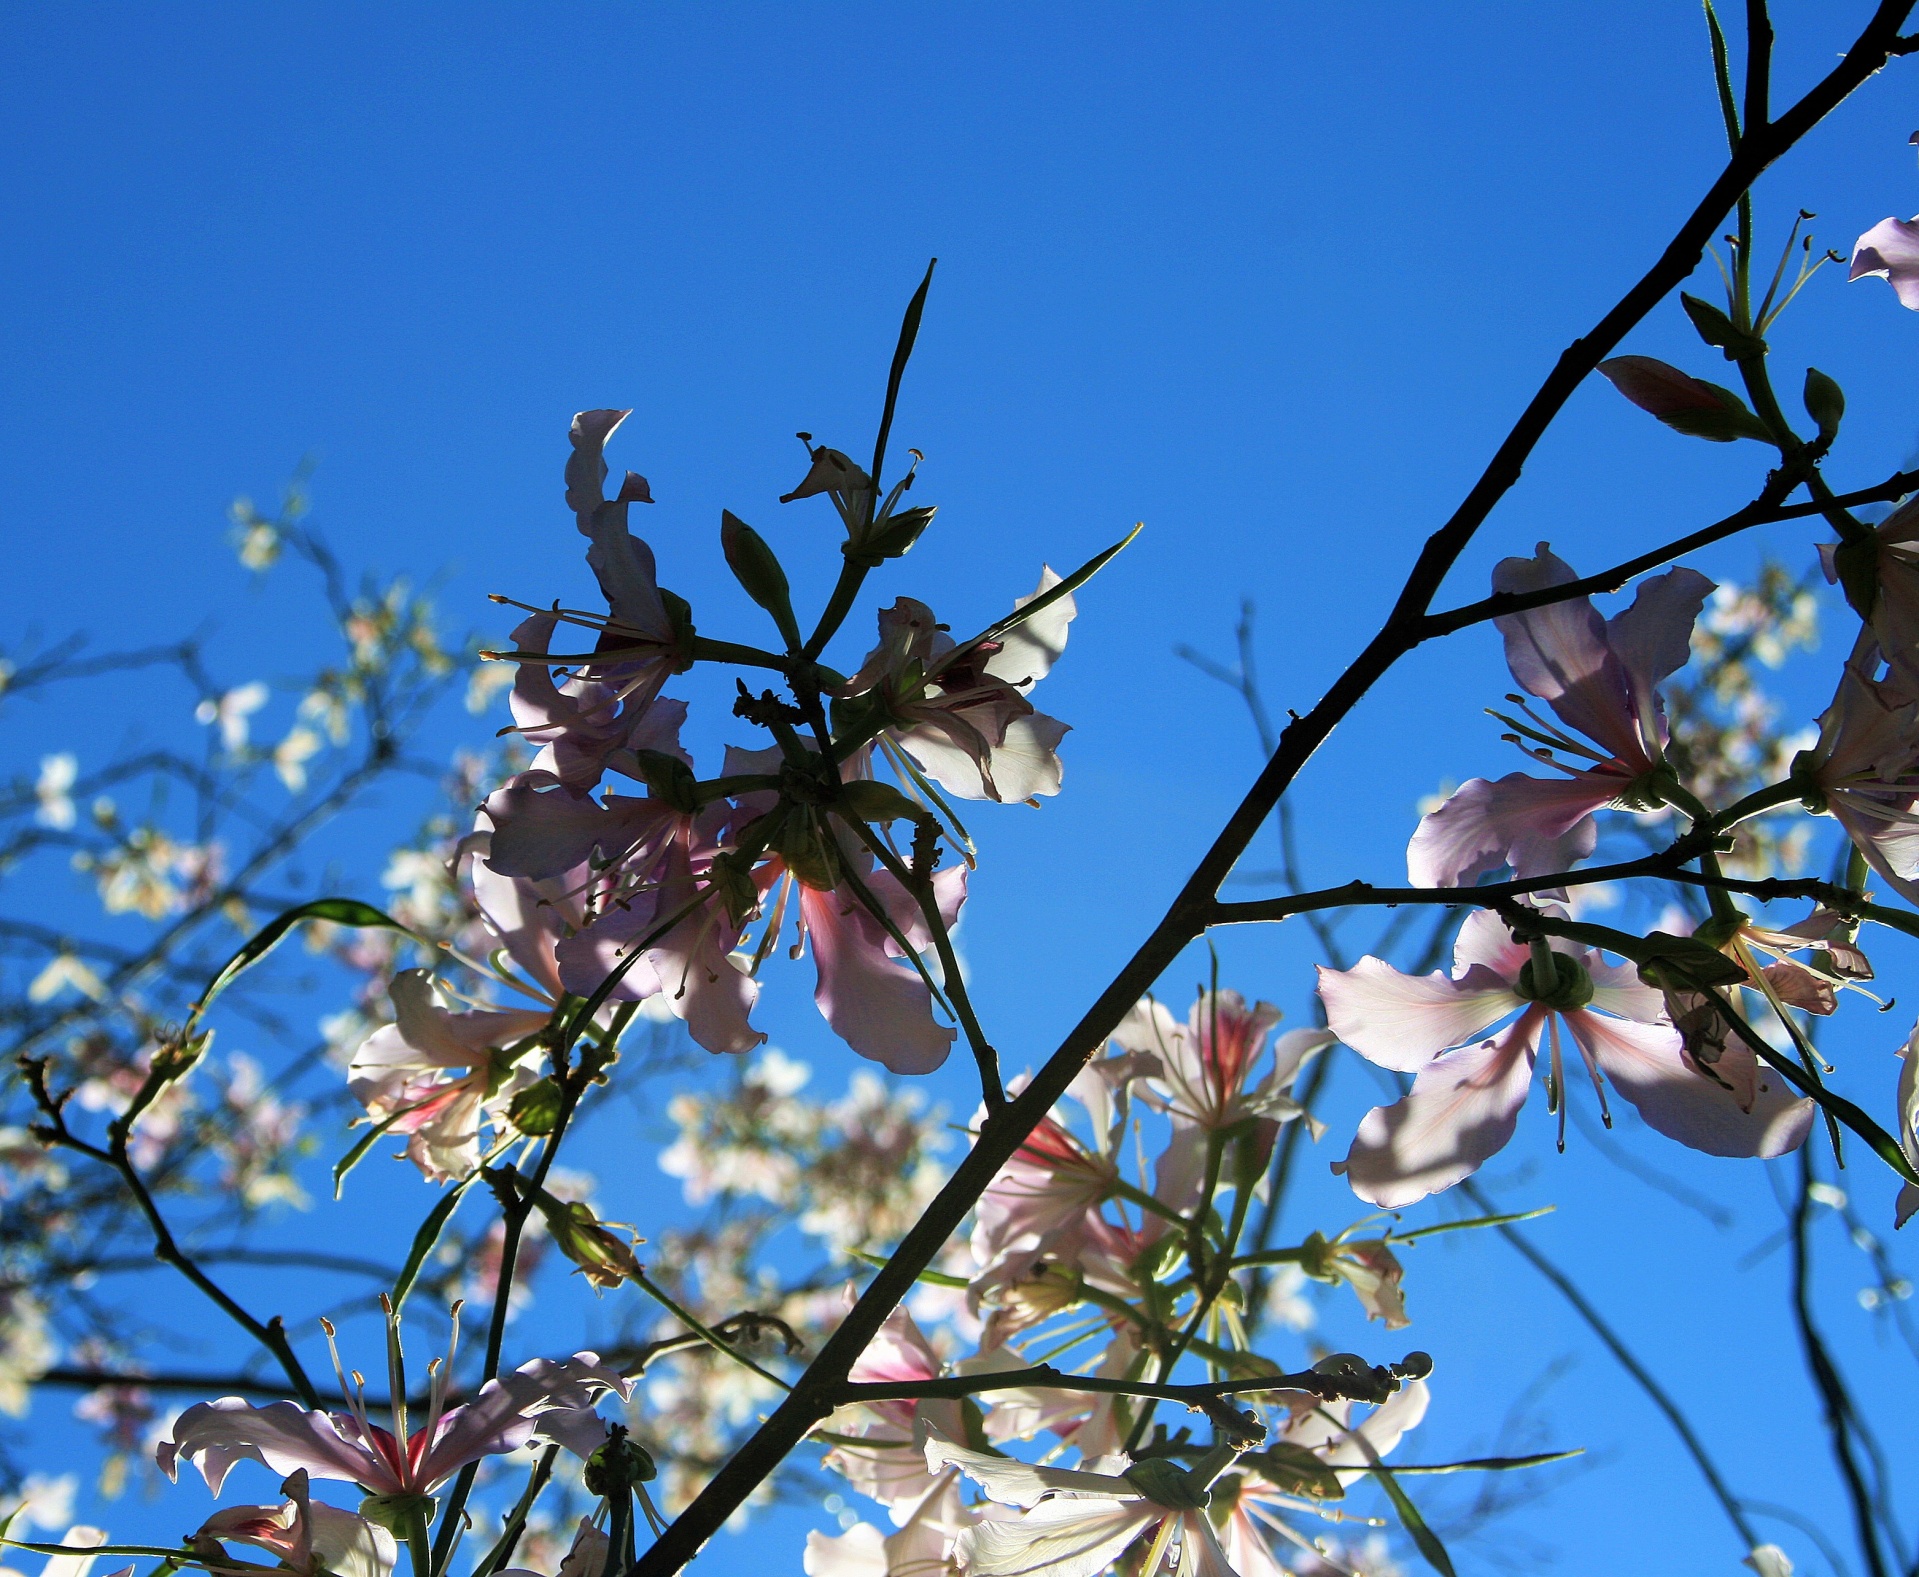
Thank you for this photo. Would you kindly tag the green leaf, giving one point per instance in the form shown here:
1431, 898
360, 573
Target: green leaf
1462, 1226
933, 1278
1490, 1464
427, 1236
353, 1157
338, 911
1409, 1517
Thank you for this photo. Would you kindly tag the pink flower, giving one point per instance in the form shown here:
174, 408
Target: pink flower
1891, 558
582, 726
1890, 251
962, 714
1075, 1523
1466, 1096
287, 1437
436, 1074
1864, 771
309, 1538
1600, 677
1208, 1078
1325, 1429
636, 863
887, 1464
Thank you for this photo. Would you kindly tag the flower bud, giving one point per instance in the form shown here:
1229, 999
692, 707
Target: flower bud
757, 569
1825, 403
602, 1257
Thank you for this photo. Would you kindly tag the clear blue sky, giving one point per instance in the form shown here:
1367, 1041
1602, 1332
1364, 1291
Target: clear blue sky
1270, 278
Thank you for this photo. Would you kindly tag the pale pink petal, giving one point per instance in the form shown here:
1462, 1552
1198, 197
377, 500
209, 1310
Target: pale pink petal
1653, 638
1536, 825
1644, 1062
1402, 1022
899, 1351
1560, 654
1618, 989
282, 1435
1028, 651
546, 832
345, 1545
858, 1552
622, 563
879, 1008
1061, 1538
1384, 1427
1890, 251
1462, 1109
1485, 939
502, 1416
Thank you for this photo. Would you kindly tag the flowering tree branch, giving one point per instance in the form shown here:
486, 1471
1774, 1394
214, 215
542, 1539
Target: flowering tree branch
1195, 906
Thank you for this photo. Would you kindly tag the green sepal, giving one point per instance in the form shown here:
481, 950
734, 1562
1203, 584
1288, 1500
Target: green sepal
670, 779
1293, 1470
535, 1111
398, 1514
876, 802
1731, 421
1718, 330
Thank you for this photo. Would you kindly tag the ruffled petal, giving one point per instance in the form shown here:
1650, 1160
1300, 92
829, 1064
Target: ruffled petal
1645, 1063
1401, 1021
880, 1009
1560, 654
282, 1436
1652, 639
1462, 1109
1890, 251
1521, 821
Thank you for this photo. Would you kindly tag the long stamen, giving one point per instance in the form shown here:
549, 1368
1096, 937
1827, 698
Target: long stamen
1556, 1083
1592, 1068
395, 1370
358, 1408
1548, 732
439, 1375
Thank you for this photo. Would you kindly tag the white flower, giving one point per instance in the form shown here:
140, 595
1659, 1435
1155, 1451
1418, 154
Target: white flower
231, 712
57, 773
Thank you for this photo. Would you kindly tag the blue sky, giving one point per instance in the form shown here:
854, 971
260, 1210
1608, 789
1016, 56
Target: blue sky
1272, 279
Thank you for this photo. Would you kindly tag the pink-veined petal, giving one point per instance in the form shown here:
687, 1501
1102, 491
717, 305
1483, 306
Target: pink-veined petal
1644, 1062
1560, 654
1401, 1021
282, 1435
1461, 1110
1537, 825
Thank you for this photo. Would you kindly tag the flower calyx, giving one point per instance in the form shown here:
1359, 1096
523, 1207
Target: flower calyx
400, 1515
1569, 986
619, 1465
1167, 1484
